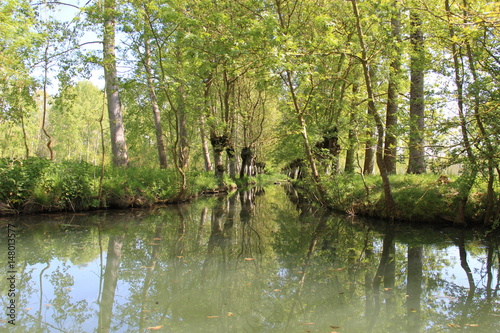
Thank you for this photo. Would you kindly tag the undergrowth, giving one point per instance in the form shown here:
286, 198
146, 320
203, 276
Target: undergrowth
421, 198
39, 185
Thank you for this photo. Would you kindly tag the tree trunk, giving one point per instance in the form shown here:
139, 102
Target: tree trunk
23, 127
117, 130
369, 163
204, 144
232, 161
490, 153
416, 163
44, 118
183, 131
113, 260
414, 288
351, 148
247, 162
219, 143
351, 151
391, 121
390, 204
307, 145
219, 163
469, 176
162, 156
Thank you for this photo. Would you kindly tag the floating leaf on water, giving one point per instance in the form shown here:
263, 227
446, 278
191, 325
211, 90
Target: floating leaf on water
249, 259
276, 290
454, 325
472, 325
229, 314
155, 327
212, 317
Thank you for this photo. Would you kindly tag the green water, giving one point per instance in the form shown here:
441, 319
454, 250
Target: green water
256, 261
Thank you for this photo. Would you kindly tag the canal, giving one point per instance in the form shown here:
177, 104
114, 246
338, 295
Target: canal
257, 260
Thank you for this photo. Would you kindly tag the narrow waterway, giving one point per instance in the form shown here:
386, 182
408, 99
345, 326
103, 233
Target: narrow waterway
258, 260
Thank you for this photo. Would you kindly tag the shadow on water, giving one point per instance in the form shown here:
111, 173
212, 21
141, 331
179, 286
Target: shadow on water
256, 260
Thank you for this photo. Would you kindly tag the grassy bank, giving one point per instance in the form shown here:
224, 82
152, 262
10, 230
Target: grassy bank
38, 185
427, 198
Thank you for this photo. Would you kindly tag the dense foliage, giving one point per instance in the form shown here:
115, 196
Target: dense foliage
327, 90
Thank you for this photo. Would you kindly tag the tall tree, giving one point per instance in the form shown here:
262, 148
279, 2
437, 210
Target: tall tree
391, 121
162, 154
111, 277
470, 172
115, 113
291, 24
416, 163
390, 204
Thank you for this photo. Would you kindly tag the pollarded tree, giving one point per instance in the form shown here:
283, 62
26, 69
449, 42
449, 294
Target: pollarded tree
253, 102
295, 46
226, 41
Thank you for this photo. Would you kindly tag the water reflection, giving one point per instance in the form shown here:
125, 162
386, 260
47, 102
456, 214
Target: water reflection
259, 260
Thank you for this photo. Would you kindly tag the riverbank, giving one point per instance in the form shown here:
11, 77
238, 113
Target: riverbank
427, 198
38, 185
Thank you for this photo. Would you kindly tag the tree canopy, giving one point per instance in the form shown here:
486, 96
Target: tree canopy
310, 87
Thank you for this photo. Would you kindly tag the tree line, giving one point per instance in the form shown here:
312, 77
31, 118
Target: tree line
231, 87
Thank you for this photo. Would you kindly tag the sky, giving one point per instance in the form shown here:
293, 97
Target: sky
66, 13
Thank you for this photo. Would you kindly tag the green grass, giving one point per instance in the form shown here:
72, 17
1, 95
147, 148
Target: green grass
39, 185
421, 198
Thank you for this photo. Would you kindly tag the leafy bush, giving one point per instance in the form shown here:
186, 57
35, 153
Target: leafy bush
18, 178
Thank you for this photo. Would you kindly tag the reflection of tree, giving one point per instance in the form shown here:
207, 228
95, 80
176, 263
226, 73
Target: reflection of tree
247, 201
40, 284
468, 272
492, 247
148, 280
217, 234
385, 271
180, 266
318, 231
414, 288
203, 219
113, 260
302, 203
